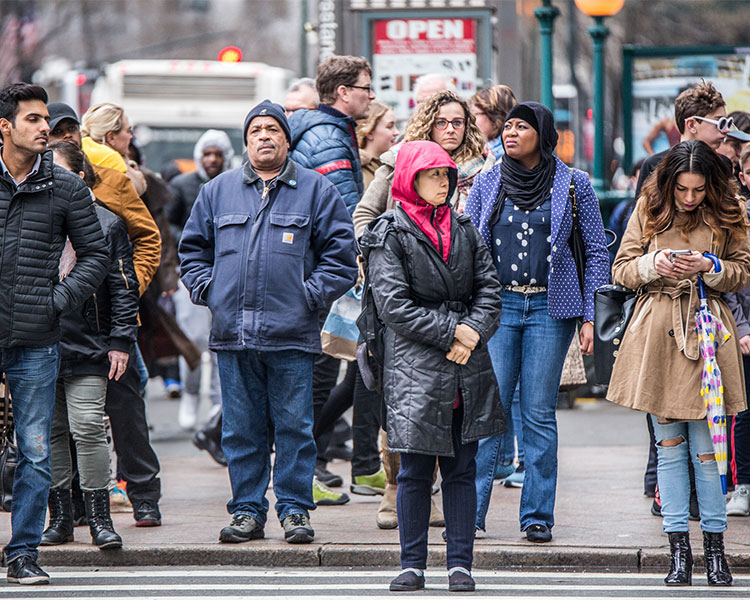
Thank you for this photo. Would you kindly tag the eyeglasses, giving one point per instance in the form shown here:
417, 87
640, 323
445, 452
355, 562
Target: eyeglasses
367, 88
722, 124
456, 123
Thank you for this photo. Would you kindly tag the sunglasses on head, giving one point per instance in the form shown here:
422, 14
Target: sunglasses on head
722, 123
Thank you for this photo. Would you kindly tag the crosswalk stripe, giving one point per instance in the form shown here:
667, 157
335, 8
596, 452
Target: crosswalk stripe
322, 574
440, 593
292, 587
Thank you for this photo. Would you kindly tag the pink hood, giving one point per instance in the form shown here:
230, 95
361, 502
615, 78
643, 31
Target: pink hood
435, 222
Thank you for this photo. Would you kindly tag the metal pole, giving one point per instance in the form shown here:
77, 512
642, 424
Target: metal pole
599, 33
303, 39
546, 15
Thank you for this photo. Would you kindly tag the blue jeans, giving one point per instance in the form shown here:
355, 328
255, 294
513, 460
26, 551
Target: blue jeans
140, 366
32, 374
459, 502
674, 480
493, 452
257, 387
514, 436
529, 350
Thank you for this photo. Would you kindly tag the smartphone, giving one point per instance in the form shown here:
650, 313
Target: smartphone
675, 253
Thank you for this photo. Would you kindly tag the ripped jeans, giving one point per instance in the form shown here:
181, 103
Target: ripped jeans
674, 481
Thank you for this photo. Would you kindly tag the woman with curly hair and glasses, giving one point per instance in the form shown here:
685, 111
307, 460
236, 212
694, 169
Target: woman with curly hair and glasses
688, 206
443, 118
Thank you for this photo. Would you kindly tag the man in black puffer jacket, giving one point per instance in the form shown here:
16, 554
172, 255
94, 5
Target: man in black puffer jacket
40, 204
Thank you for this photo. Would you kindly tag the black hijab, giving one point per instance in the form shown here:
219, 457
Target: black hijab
529, 188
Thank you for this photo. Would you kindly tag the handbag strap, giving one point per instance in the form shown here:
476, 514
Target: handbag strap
573, 203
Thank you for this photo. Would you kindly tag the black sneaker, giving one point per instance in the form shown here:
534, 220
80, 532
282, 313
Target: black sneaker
538, 533
407, 581
25, 571
297, 529
328, 478
460, 581
146, 514
243, 528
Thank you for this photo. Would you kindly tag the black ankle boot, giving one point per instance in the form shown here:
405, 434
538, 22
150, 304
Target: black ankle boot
100, 523
717, 569
681, 568
60, 529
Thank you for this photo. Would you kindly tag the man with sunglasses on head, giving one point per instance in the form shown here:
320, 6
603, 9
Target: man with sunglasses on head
700, 114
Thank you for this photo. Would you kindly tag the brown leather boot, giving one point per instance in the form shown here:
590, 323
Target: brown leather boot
436, 515
386, 517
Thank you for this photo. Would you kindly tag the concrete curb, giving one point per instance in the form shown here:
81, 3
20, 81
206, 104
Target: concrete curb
363, 556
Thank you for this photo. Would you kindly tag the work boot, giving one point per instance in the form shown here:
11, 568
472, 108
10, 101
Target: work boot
386, 517
103, 532
60, 529
681, 557
717, 569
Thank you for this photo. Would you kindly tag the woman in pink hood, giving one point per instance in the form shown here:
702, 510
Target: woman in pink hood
438, 296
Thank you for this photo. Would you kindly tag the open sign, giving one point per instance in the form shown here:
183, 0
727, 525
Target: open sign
425, 29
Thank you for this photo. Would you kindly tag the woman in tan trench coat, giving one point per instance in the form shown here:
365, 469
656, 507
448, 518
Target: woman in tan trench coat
688, 204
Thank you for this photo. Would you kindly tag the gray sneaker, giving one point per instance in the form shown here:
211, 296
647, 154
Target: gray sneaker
243, 528
739, 505
297, 529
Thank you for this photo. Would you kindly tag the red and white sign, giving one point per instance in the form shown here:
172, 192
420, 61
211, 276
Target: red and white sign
425, 36
405, 49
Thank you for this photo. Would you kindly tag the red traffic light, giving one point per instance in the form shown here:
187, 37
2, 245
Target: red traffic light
230, 54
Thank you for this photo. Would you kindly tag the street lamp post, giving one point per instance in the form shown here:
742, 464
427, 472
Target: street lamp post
546, 15
598, 9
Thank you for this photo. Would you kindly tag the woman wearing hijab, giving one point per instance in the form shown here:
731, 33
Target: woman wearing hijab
437, 293
523, 211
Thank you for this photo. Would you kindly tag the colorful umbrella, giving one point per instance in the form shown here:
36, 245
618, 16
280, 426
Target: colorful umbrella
711, 333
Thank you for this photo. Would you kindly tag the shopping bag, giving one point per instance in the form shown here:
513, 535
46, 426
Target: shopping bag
340, 335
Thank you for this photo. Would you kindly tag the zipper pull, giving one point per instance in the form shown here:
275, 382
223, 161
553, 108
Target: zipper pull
265, 191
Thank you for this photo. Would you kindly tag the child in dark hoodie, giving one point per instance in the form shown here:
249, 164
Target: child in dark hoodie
438, 295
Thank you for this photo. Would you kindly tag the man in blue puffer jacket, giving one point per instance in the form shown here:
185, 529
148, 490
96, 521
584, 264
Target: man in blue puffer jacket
267, 247
325, 139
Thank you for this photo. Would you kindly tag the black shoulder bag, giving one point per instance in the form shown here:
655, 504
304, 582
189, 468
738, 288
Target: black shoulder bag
8, 450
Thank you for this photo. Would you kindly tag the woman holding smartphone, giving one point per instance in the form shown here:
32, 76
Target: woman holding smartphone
688, 222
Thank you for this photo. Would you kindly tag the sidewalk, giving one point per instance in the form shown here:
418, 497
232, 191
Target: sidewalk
602, 522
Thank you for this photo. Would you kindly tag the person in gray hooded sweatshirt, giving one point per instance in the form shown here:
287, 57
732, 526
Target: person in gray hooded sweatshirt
213, 155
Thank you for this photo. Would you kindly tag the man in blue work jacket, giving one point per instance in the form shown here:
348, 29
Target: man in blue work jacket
267, 247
